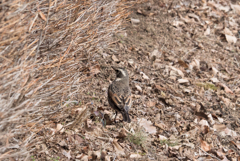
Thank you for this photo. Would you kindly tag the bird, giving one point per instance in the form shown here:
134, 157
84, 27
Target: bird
119, 94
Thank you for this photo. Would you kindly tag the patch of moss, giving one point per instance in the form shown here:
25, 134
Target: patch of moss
169, 142
207, 86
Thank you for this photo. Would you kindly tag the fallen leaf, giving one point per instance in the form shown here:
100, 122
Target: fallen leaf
151, 14
192, 15
207, 32
236, 144
160, 88
203, 123
134, 156
114, 58
177, 23
144, 75
59, 128
84, 158
226, 101
230, 132
131, 61
95, 69
227, 90
186, 19
226, 31
214, 80
45, 149
147, 125
161, 137
122, 133
231, 39
78, 139
219, 127
154, 55
182, 81
139, 88
63, 143
96, 155
66, 154
151, 103
194, 63
236, 8
42, 16
139, 11
205, 146
182, 63
161, 126
210, 118
119, 150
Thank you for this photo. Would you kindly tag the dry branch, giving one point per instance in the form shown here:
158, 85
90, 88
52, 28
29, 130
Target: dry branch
46, 50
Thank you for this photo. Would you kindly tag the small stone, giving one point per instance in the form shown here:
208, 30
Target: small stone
135, 21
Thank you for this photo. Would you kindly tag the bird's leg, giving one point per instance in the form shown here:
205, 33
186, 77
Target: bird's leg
115, 117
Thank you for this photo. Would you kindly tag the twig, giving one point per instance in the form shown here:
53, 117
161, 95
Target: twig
210, 154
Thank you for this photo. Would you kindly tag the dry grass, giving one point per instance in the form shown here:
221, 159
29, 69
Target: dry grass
47, 51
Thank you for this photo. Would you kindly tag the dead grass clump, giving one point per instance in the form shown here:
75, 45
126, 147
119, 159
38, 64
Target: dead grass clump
47, 52
139, 137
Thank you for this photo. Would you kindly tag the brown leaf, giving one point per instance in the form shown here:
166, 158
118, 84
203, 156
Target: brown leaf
134, 156
63, 143
176, 72
114, 58
160, 88
161, 126
231, 39
144, 75
161, 137
236, 8
139, 11
42, 16
95, 69
151, 104
78, 139
122, 133
207, 32
227, 90
182, 63
147, 125
119, 150
151, 14
96, 155
66, 154
205, 146
60, 128
230, 132
236, 144
194, 63
183, 81
219, 127
139, 88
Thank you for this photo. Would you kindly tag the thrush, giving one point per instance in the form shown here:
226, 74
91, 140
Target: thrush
119, 94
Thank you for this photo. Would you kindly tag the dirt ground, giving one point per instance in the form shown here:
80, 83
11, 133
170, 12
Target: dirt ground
184, 75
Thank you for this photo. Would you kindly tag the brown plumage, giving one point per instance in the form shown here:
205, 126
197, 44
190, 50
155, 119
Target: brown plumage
119, 94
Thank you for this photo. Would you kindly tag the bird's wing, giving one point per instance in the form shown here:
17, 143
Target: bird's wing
122, 102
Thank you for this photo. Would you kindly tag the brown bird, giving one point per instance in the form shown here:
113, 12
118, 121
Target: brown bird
119, 94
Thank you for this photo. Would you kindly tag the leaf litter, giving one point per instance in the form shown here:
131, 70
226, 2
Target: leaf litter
184, 72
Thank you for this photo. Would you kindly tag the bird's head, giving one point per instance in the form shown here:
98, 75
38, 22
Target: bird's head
120, 72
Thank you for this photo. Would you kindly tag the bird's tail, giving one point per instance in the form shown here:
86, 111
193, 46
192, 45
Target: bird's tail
126, 117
